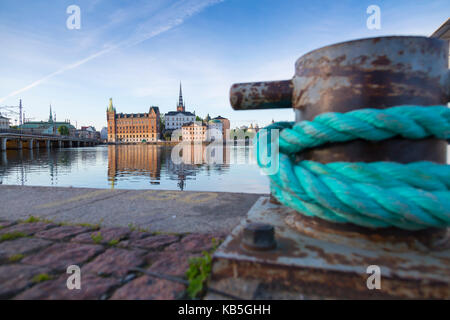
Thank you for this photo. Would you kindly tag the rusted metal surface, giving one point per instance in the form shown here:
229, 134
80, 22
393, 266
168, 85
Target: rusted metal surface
314, 259
261, 95
373, 73
368, 73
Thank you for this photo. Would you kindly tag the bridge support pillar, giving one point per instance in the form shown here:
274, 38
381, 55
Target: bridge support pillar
19, 144
70, 144
47, 144
30, 143
3, 144
59, 144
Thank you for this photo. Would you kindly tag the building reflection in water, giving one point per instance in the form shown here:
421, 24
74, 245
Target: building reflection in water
150, 160
199, 168
22, 163
134, 160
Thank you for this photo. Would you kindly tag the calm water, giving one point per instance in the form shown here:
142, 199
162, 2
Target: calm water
136, 167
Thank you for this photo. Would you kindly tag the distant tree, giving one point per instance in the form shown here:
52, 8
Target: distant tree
197, 118
63, 130
162, 123
167, 136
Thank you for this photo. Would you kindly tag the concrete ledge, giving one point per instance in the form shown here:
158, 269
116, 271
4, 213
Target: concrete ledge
155, 210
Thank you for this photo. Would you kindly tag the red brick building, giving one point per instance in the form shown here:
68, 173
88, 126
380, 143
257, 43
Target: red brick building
133, 127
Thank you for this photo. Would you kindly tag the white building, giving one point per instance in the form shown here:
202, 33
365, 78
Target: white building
194, 132
214, 130
4, 122
176, 119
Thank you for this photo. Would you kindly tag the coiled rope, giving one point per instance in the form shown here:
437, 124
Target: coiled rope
376, 195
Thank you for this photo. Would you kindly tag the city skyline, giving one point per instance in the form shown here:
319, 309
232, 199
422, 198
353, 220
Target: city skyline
138, 55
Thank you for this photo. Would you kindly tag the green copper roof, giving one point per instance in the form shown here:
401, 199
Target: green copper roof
111, 108
44, 125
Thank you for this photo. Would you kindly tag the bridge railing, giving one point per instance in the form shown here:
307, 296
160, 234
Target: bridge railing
38, 133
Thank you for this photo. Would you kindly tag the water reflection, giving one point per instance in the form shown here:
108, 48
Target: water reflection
136, 167
132, 160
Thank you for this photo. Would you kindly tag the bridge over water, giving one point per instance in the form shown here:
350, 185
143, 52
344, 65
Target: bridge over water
20, 139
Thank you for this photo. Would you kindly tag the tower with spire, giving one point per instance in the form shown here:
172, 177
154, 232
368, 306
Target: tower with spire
174, 120
50, 118
111, 118
181, 106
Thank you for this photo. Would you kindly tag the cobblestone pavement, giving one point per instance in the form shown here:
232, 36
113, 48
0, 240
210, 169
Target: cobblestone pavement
34, 257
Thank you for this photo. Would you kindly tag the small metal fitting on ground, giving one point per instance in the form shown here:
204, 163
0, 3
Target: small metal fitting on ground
259, 236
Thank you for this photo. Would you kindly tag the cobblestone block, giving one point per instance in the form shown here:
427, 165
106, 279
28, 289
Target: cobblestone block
16, 277
21, 246
154, 242
62, 233
115, 262
28, 228
92, 288
171, 263
104, 235
195, 243
147, 288
133, 236
61, 255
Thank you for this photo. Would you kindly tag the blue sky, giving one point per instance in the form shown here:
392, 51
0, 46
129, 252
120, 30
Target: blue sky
138, 51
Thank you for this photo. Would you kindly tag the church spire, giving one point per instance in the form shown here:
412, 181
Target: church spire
180, 106
50, 118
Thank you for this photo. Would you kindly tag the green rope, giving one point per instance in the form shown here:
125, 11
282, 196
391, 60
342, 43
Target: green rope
376, 195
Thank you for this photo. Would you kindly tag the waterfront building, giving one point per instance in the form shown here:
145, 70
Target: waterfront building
4, 122
215, 130
174, 120
252, 129
225, 125
194, 131
88, 132
133, 127
47, 127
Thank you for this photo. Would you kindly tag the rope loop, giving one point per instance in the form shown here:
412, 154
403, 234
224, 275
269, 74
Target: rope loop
409, 196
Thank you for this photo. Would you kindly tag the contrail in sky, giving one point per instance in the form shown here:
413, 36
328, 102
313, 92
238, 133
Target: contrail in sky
140, 35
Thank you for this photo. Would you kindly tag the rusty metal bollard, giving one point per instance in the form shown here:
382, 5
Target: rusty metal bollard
367, 73
315, 258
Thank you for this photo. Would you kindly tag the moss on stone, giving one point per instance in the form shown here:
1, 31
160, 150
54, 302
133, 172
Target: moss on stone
12, 236
97, 237
113, 242
41, 278
16, 257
